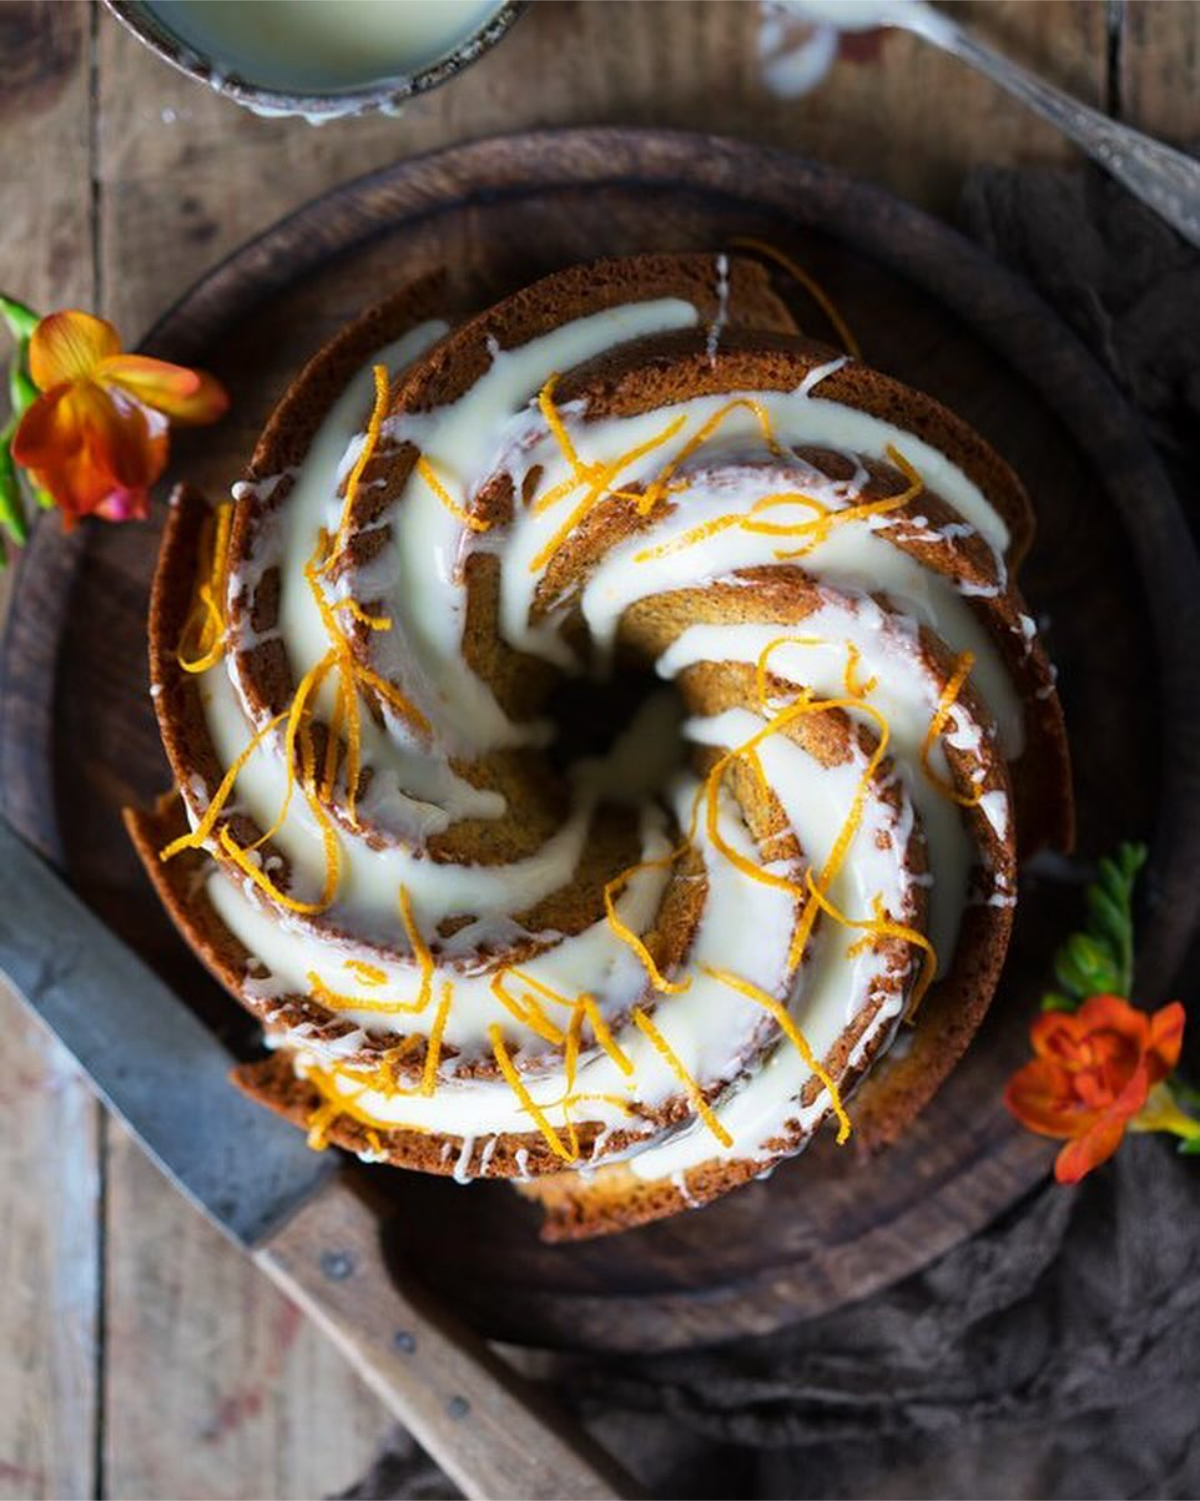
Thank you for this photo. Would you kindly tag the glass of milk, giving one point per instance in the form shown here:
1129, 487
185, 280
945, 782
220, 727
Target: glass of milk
319, 58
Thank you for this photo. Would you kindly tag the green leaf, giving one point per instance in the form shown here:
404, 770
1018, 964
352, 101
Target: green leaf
1189, 1147
1098, 960
1185, 1093
12, 507
22, 393
1053, 1001
1069, 976
21, 320
1108, 916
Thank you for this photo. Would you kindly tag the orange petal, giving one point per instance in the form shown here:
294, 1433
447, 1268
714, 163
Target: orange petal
1166, 1040
1110, 1013
1095, 1146
92, 454
1042, 1099
1054, 1034
187, 396
68, 346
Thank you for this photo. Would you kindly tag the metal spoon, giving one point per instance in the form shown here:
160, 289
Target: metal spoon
1165, 179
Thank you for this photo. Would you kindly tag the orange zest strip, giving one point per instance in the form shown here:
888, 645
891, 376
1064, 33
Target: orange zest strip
604, 1036
372, 622
369, 974
694, 1092
853, 687
768, 651
632, 455
689, 538
553, 420
204, 828
882, 926
629, 937
205, 627
711, 793
598, 475
366, 452
530, 1014
814, 289
337, 1000
751, 523
793, 1033
849, 829
392, 695
383, 1076
332, 742
353, 724
297, 720
949, 697
351, 672
243, 859
433, 1048
654, 493
319, 1122
746, 521
571, 1053
419, 947
547, 992
514, 1081
599, 478
583, 1096
820, 529
712, 805
427, 472
337, 1103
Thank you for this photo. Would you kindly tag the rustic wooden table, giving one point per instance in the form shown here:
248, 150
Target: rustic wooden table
140, 1356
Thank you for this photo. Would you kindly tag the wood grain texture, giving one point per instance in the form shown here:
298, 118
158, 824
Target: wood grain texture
50, 1224
49, 1266
185, 174
180, 177
489, 1429
1160, 69
1112, 571
216, 1385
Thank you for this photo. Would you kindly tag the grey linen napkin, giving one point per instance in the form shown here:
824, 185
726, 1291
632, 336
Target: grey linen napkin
1058, 1353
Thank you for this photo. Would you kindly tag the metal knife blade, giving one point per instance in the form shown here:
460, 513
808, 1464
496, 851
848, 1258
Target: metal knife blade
152, 1061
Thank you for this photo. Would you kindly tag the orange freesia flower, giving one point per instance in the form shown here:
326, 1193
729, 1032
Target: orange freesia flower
96, 438
1093, 1073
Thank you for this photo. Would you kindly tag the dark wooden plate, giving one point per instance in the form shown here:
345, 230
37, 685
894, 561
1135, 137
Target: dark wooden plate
1113, 577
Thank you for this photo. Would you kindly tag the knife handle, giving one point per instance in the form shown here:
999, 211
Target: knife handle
489, 1428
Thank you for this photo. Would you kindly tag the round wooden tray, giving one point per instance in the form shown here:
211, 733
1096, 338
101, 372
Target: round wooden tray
1113, 578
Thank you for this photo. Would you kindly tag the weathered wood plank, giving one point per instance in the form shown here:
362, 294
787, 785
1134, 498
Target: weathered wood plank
49, 1124
216, 1385
1160, 67
186, 174
214, 1391
49, 1266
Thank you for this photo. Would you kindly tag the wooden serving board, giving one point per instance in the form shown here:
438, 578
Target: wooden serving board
1113, 579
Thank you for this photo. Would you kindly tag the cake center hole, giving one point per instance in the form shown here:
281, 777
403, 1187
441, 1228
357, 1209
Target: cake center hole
632, 722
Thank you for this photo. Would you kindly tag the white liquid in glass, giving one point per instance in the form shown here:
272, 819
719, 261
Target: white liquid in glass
323, 45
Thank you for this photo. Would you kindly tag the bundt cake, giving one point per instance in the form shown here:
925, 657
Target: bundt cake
598, 723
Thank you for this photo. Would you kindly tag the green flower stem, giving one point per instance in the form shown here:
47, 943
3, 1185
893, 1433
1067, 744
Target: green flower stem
21, 320
1184, 1091
12, 510
1161, 1112
22, 393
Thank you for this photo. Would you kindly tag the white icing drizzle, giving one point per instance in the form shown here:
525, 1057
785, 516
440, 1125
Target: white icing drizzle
715, 1033
721, 318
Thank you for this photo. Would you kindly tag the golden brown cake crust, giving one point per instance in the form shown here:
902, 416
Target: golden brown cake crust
758, 350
